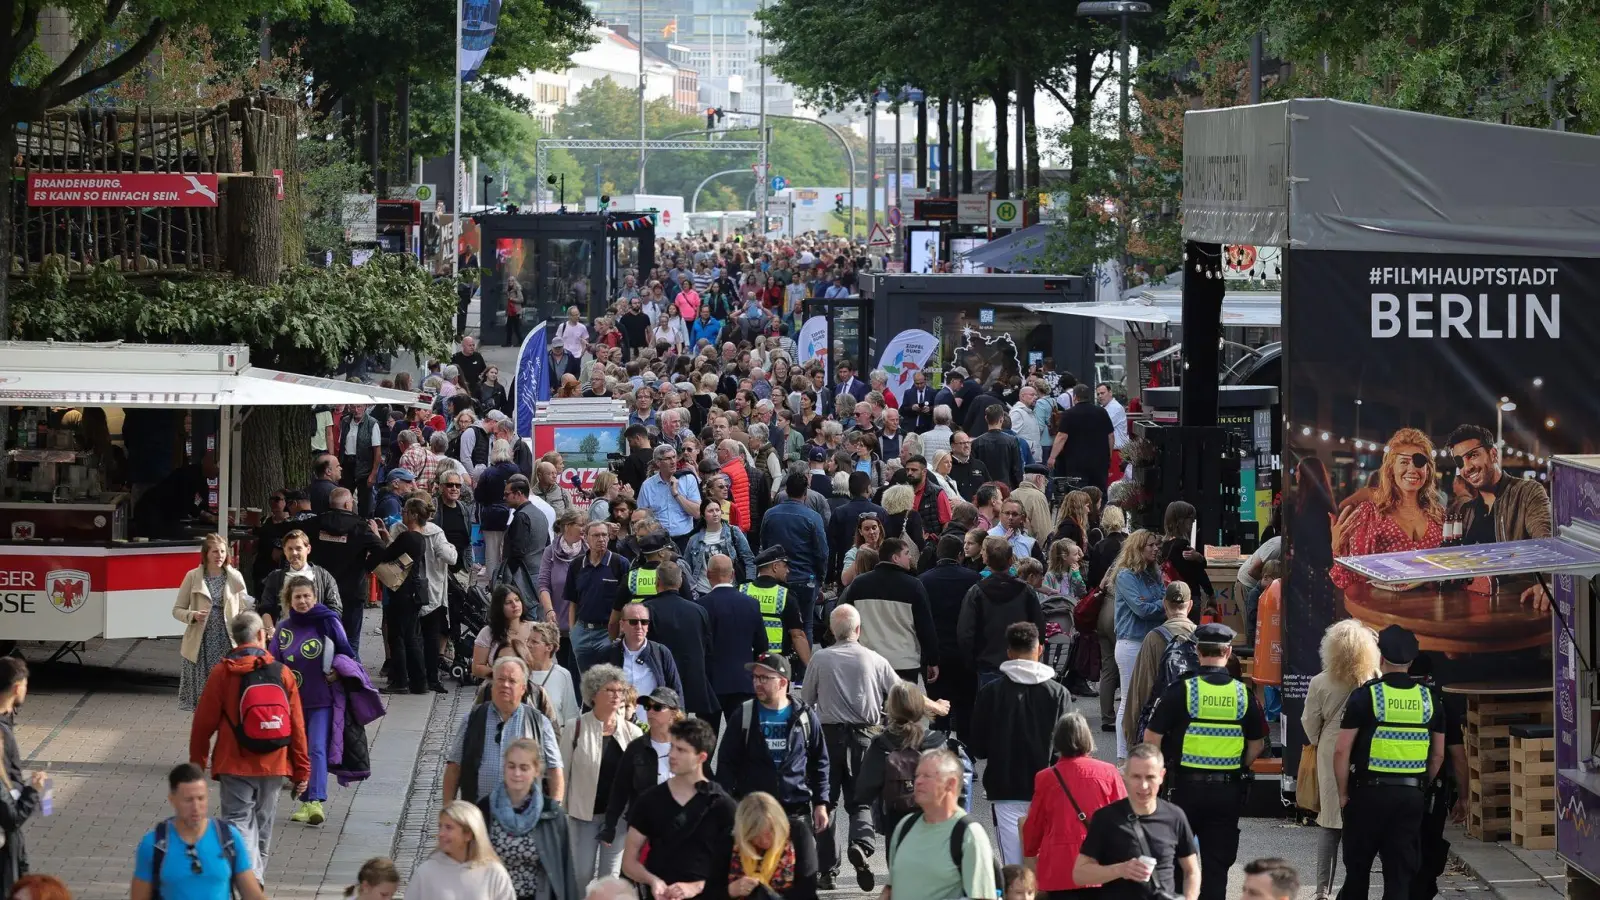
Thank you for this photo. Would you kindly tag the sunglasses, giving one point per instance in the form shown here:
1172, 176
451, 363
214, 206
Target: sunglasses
449, 486
194, 858
636, 621
651, 706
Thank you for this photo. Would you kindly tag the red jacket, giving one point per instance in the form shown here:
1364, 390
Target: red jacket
739, 492
1052, 831
219, 706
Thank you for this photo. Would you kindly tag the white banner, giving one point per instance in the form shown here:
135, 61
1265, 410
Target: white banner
905, 355
812, 342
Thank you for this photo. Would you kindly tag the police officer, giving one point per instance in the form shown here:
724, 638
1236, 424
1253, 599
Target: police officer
640, 582
1446, 795
1210, 728
780, 617
1391, 744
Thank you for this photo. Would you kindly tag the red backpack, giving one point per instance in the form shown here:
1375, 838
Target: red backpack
264, 714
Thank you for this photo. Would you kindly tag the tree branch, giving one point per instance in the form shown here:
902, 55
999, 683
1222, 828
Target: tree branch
85, 47
111, 71
1110, 71
1060, 98
27, 31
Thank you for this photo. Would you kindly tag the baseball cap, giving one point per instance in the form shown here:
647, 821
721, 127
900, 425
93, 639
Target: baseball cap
664, 696
777, 662
402, 475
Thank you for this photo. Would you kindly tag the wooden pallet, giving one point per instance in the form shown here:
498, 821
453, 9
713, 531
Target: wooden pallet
1534, 828
1506, 794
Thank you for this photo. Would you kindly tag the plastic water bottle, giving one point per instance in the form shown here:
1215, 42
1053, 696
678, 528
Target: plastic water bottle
47, 801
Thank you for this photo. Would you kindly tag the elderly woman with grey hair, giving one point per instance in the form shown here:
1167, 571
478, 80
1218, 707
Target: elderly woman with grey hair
592, 748
1076, 786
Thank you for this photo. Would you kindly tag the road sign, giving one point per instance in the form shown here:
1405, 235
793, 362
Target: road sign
972, 209
760, 168
879, 237
1005, 213
779, 182
894, 216
935, 209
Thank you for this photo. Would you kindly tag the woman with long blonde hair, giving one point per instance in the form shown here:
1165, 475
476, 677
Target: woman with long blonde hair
465, 866
1349, 660
763, 855
1406, 511
1137, 589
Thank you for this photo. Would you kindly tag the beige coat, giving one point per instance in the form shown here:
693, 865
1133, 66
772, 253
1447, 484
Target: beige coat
581, 752
1324, 710
194, 598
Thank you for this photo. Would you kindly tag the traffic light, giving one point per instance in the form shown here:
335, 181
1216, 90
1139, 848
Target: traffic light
713, 116
838, 203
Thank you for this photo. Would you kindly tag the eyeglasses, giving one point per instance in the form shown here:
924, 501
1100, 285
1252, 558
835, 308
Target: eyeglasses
767, 678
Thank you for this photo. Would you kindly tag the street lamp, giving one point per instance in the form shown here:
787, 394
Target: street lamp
1500, 411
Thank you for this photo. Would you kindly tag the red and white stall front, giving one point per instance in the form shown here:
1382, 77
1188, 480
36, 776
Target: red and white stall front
73, 565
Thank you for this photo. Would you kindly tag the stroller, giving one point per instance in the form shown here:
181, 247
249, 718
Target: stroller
1065, 647
469, 613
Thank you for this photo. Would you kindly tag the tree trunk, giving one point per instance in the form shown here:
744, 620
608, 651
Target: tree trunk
1082, 102
1035, 177
966, 145
922, 143
8, 151
946, 158
255, 228
1021, 166
1002, 137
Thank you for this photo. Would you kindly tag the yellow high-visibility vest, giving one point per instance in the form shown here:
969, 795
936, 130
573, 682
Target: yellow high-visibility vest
771, 600
1400, 742
1214, 737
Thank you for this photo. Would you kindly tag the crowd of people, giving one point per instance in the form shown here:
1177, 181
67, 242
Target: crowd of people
777, 641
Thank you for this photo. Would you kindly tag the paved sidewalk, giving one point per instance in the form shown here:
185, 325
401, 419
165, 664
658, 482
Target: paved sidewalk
1510, 872
109, 731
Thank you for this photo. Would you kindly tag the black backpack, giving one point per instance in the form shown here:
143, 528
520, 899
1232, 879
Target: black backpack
958, 838
224, 835
1180, 660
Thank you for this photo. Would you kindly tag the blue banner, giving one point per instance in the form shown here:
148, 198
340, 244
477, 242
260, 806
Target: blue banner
479, 20
532, 381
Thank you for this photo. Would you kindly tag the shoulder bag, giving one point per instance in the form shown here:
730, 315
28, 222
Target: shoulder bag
1157, 892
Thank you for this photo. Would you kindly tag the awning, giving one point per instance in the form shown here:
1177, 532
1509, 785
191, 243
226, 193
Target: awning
149, 375
1018, 251
1115, 312
1240, 309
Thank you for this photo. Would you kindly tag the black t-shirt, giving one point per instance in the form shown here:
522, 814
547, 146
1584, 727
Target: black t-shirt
1112, 840
1171, 716
1087, 453
692, 842
1358, 714
610, 758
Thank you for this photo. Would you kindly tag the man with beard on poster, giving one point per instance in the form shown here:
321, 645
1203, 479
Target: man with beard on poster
1493, 506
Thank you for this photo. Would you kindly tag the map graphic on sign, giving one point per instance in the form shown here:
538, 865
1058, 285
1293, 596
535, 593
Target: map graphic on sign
67, 588
987, 357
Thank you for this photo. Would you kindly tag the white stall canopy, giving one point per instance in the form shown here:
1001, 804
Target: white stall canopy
1240, 309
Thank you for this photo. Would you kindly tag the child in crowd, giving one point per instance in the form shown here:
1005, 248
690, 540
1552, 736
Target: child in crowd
377, 880
1031, 571
1020, 883
1065, 574
309, 636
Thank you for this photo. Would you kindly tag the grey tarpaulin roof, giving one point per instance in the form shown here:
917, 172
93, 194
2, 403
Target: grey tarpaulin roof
1330, 175
1018, 251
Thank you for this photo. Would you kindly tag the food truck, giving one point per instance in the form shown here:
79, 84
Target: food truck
1540, 784
79, 418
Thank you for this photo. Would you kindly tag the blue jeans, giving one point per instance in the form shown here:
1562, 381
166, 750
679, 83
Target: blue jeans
317, 721
588, 644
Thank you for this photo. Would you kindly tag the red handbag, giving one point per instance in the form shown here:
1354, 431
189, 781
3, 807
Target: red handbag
1086, 615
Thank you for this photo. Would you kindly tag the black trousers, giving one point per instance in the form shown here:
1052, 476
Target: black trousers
959, 685
730, 704
1213, 809
1434, 850
805, 856
1381, 821
513, 331
433, 628
847, 744
355, 608
405, 640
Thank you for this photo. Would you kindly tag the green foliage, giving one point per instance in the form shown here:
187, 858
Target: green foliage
1465, 59
308, 322
329, 171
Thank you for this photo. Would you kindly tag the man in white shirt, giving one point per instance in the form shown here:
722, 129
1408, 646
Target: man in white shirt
1024, 423
1119, 416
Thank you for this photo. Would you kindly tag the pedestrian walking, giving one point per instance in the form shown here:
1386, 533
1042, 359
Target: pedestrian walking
593, 580
248, 699
297, 561
644, 764
478, 750
377, 880
528, 830
192, 856
1349, 654
684, 628
19, 797
940, 852
526, 537
763, 858
344, 545
309, 639
775, 744
416, 609
989, 609
1145, 681
1391, 744
464, 865
592, 748
645, 664
210, 594
1065, 796
687, 820
741, 628
1138, 590
798, 528
1142, 841
1013, 724
896, 620
1211, 725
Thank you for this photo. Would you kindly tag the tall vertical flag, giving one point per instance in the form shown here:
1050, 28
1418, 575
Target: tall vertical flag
812, 341
532, 381
479, 20
906, 354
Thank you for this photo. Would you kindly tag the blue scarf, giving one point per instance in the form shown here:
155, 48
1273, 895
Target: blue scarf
518, 823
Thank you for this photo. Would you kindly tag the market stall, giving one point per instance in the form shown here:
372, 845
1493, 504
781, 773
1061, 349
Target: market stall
74, 564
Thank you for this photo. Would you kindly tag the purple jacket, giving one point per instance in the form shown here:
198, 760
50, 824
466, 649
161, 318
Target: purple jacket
356, 703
